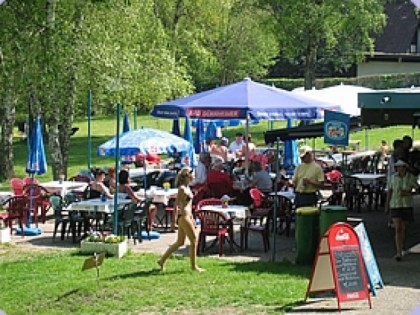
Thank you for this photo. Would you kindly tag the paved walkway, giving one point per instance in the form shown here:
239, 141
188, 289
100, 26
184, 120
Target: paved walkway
401, 294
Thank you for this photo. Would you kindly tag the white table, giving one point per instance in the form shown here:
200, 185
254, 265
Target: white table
288, 194
140, 171
159, 195
97, 205
232, 211
64, 187
4, 195
367, 178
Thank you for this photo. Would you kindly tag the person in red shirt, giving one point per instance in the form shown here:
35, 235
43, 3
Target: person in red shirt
219, 183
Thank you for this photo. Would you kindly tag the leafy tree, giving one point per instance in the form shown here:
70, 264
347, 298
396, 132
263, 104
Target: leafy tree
338, 29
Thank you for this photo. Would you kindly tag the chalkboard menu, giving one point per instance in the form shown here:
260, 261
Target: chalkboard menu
348, 270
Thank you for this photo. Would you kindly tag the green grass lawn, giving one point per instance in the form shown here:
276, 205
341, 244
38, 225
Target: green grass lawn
104, 128
53, 283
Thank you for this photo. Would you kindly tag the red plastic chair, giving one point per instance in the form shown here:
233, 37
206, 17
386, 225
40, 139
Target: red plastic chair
214, 223
17, 186
17, 209
28, 180
257, 197
208, 202
38, 199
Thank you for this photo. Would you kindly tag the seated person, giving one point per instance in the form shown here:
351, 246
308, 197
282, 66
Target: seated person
124, 187
219, 183
220, 151
261, 179
251, 146
98, 188
111, 179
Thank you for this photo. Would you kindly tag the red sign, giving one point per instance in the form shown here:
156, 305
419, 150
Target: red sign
213, 113
339, 266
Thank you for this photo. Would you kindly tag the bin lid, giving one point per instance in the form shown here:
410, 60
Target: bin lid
307, 210
333, 208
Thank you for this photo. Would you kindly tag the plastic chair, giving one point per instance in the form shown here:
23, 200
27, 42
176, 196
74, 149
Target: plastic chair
214, 224
59, 218
29, 180
17, 209
17, 186
38, 198
168, 213
258, 222
141, 218
126, 222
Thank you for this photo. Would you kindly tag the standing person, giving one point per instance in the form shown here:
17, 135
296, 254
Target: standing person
399, 203
186, 222
308, 178
236, 146
410, 156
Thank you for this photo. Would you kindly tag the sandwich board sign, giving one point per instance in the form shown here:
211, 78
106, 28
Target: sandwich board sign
339, 266
372, 269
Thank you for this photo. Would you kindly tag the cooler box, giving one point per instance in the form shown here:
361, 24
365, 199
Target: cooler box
307, 235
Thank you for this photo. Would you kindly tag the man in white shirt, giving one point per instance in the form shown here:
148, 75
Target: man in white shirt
236, 146
203, 164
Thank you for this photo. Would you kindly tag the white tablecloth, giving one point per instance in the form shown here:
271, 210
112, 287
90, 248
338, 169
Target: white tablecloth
288, 194
368, 179
64, 187
4, 195
159, 195
232, 211
97, 205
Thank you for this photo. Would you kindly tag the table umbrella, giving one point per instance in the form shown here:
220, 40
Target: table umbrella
146, 141
211, 131
291, 156
36, 164
189, 138
175, 128
199, 137
126, 123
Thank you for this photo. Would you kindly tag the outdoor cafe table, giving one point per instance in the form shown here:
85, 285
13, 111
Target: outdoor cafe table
236, 213
140, 171
63, 187
97, 205
287, 194
368, 179
159, 195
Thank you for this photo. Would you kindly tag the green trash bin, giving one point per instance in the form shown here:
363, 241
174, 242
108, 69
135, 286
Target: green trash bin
307, 227
330, 215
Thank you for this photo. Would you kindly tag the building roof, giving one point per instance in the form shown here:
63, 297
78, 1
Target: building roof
401, 28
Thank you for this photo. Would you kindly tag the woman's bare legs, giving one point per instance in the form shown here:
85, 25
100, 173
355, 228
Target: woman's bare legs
152, 215
400, 228
185, 229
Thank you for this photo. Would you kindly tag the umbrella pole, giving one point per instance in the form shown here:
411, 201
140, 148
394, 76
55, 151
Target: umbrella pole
89, 128
246, 144
273, 253
31, 201
117, 166
135, 118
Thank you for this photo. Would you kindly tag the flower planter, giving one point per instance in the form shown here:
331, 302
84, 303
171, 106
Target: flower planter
114, 249
5, 235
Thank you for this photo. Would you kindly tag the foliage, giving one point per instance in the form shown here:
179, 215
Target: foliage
98, 237
52, 283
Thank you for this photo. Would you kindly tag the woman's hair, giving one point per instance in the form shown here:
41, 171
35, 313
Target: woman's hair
123, 177
111, 171
182, 178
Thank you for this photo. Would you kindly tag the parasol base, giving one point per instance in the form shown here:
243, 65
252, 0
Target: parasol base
153, 235
28, 231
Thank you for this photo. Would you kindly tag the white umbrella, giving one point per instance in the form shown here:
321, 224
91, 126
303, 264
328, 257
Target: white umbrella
343, 95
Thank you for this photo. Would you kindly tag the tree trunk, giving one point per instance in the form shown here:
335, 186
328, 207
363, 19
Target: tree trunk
7, 124
311, 58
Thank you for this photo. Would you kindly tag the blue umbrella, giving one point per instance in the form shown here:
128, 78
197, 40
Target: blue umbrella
126, 123
175, 128
199, 137
236, 100
36, 164
291, 156
189, 138
211, 131
145, 141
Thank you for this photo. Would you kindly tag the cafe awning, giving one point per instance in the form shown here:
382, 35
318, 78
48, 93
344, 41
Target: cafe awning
390, 107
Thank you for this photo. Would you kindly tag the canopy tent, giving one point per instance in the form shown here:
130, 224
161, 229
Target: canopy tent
305, 131
236, 100
390, 107
344, 95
